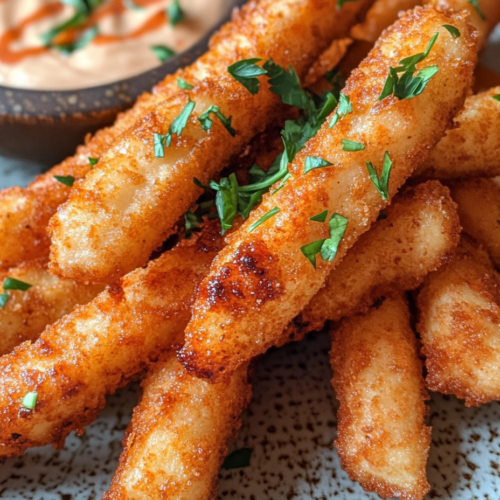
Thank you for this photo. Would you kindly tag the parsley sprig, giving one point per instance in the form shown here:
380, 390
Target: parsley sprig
12, 284
407, 85
328, 247
475, 4
382, 183
178, 125
162, 52
175, 13
496, 97
206, 122
246, 72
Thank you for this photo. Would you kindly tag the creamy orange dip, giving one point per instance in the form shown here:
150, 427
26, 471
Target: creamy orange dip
120, 32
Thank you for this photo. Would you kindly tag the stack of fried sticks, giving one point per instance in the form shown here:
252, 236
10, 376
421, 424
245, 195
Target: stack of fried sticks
193, 318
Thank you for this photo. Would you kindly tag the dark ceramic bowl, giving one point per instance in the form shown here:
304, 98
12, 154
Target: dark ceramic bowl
46, 126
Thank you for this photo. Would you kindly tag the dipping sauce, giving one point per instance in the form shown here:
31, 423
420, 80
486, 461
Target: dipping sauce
113, 41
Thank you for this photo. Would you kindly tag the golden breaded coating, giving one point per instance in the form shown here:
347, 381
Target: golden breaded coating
484, 17
383, 442
128, 204
27, 313
99, 347
262, 280
478, 203
382, 14
177, 439
471, 148
419, 234
25, 213
459, 323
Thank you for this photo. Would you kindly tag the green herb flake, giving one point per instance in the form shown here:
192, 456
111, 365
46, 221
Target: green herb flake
286, 84
226, 201
496, 97
206, 122
382, 183
311, 250
238, 459
162, 52
67, 180
454, 32
475, 4
4, 298
246, 72
175, 14
182, 84
348, 145
93, 162
313, 162
408, 86
13, 284
321, 217
265, 217
178, 125
337, 225
29, 401
345, 107
340, 3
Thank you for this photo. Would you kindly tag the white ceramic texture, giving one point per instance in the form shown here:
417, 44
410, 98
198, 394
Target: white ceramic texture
291, 426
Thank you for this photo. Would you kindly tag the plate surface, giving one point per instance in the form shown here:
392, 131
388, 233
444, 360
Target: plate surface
291, 426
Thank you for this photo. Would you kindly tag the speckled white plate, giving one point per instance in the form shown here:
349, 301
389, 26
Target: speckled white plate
291, 425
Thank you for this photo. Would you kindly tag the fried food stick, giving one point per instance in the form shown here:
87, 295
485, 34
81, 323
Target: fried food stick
131, 343
25, 213
459, 323
128, 204
99, 347
177, 439
27, 313
472, 147
262, 280
383, 442
484, 15
478, 203
420, 233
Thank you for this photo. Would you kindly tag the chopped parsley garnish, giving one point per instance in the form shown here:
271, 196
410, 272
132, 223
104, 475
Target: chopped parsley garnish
67, 180
162, 52
475, 4
336, 79
13, 284
4, 298
246, 72
178, 125
345, 107
182, 84
338, 225
382, 183
29, 401
407, 86
175, 14
313, 162
93, 162
496, 97
454, 32
348, 145
238, 459
206, 122
84, 9
340, 3
226, 201
192, 223
286, 84
269, 214
321, 217
327, 248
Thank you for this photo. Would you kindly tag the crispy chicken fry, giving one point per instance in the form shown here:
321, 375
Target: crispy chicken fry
484, 14
177, 439
383, 442
262, 280
459, 323
478, 203
128, 204
27, 313
419, 234
99, 347
472, 147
